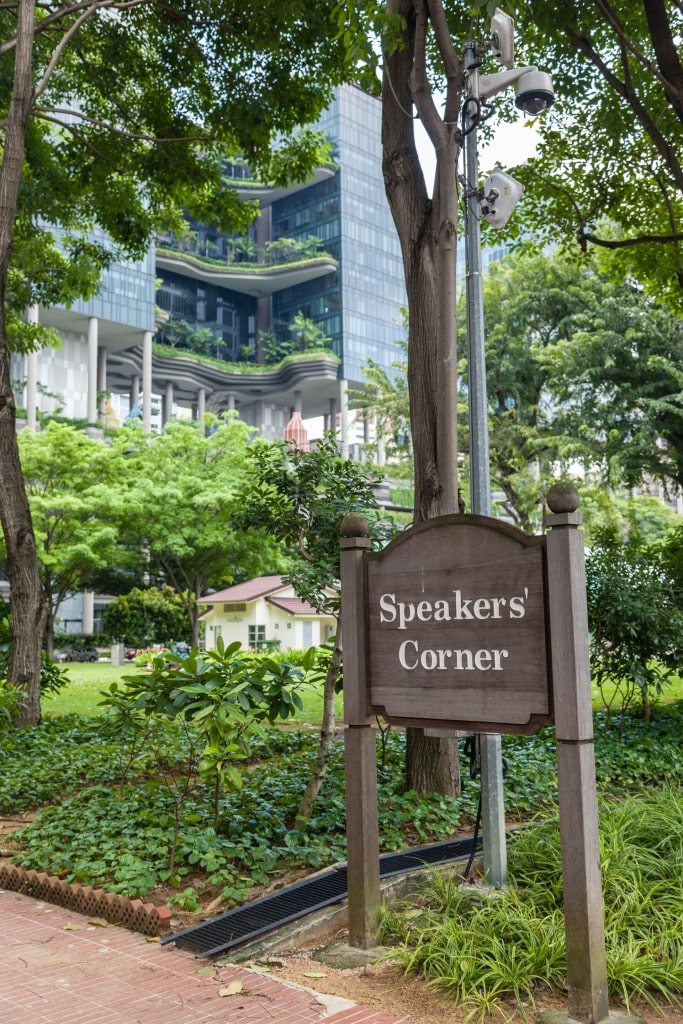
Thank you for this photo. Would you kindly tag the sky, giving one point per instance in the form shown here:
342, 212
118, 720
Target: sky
514, 142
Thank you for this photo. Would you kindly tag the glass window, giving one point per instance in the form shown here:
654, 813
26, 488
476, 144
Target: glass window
257, 636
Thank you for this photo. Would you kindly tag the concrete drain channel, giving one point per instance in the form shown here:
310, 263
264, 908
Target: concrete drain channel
244, 924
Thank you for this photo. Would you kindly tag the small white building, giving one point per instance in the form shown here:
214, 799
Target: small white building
261, 613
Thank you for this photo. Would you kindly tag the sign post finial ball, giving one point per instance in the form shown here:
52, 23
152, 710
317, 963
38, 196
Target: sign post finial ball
562, 497
355, 525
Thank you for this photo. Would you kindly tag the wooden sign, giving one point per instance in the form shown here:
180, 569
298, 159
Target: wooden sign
456, 628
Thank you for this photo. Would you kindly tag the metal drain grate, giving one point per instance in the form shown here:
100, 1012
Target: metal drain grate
236, 927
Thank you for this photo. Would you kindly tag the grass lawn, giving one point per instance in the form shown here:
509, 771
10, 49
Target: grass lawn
86, 680
82, 694
672, 691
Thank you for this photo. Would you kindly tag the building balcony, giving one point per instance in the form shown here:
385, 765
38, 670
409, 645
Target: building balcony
255, 279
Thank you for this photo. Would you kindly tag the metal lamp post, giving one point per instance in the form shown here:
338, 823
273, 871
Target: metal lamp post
534, 94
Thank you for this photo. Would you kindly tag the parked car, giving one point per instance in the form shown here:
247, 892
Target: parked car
80, 654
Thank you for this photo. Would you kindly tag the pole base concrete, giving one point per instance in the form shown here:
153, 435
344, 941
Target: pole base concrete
614, 1017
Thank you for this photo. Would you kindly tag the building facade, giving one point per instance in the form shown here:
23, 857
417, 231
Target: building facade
351, 287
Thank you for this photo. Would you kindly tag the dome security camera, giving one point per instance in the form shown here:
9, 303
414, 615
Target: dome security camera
534, 92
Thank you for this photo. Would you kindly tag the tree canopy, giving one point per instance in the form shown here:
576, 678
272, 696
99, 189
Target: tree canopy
114, 118
175, 499
609, 170
69, 480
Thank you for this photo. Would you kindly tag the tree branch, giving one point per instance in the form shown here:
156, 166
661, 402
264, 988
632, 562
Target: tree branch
625, 243
46, 114
452, 65
666, 52
420, 89
627, 43
89, 7
665, 150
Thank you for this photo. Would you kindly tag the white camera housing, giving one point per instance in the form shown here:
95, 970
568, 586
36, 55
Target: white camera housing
534, 92
500, 195
503, 38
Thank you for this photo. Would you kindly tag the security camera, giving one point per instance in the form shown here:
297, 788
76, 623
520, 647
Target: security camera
499, 196
534, 92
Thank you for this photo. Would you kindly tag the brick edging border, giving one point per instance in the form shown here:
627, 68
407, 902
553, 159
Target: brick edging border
134, 915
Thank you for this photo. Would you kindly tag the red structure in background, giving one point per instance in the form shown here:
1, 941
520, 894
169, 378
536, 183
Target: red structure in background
295, 431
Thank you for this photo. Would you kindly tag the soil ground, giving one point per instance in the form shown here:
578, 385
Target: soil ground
383, 986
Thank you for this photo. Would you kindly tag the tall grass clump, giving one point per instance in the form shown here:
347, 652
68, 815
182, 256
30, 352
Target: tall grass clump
482, 949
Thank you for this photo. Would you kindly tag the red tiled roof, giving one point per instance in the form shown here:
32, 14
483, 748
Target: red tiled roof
292, 605
250, 590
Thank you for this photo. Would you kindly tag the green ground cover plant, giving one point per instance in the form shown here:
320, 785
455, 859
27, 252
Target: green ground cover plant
121, 802
482, 950
110, 805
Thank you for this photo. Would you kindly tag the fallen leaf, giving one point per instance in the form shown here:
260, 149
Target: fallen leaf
205, 970
231, 990
98, 922
314, 974
72, 927
153, 938
258, 968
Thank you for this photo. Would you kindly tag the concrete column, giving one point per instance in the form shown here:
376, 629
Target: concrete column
101, 381
201, 408
168, 403
32, 377
380, 441
344, 417
297, 402
88, 614
147, 382
92, 371
332, 415
134, 390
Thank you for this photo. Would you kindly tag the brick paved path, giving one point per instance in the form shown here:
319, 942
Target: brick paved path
57, 968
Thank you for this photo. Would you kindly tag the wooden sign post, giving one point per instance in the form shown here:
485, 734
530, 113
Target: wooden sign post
581, 877
465, 622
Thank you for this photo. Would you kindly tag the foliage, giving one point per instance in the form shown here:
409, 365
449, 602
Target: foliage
115, 123
608, 169
385, 396
10, 697
154, 615
223, 693
581, 373
301, 497
482, 950
617, 385
178, 332
190, 480
305, 336
119, 833
68, 482
130, 149
639, 518
635, 620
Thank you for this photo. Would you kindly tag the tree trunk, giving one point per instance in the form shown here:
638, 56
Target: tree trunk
427, 230
327, 735
429, 758
26, 604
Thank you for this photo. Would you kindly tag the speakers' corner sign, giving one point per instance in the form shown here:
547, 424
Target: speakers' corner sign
457, 627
